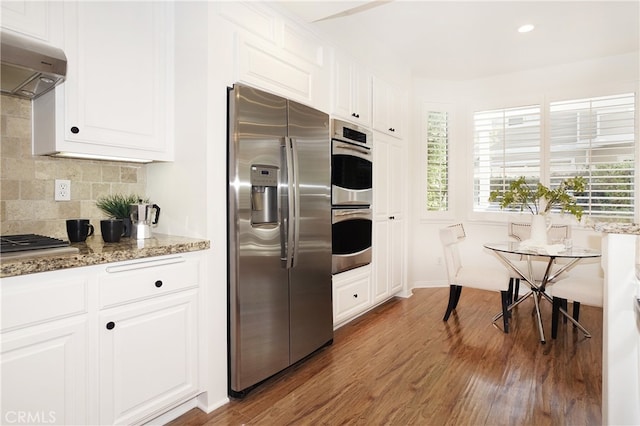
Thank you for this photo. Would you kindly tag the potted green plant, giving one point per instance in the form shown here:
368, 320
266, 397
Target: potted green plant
540, 200
117, 206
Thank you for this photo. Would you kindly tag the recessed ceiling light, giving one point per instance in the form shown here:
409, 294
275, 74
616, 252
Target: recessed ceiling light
526, 28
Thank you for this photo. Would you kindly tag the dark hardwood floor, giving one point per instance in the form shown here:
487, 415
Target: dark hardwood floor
402, 365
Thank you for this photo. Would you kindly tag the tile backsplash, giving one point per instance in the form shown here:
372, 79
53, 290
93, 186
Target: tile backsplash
27, 202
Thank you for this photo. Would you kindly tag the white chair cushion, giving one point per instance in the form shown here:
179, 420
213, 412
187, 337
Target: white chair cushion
585, 290
496, 279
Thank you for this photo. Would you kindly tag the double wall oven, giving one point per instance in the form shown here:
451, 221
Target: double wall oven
351, 195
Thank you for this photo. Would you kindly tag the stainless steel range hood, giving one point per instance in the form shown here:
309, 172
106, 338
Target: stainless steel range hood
29, 68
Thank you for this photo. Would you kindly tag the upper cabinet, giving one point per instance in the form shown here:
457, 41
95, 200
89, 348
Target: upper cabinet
272, 52
388, 108
351, 91
36, 19
117, 100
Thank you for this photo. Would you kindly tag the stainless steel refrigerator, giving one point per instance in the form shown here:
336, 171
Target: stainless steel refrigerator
279, 201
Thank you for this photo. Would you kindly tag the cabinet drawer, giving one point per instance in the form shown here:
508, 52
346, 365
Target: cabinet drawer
352, 298
34, 299
141, 280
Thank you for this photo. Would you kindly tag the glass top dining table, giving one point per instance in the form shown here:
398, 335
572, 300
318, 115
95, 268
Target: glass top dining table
516, 247
505, 251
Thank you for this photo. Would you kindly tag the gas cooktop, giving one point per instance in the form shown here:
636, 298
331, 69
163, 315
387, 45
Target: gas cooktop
26, 242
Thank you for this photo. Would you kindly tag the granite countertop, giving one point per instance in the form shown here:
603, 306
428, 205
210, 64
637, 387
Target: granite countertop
617, 228
95, 252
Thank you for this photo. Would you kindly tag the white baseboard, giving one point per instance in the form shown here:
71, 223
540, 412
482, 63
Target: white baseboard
174, 413
195, 402
207, 408
430, 284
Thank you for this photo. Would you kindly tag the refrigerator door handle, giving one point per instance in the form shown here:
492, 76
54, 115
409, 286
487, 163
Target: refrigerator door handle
296, 203
288, 215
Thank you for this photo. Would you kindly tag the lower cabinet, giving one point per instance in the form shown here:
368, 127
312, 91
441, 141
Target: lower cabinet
110, 344
44, 342
396, 269
351, 294
387, 258
148, 356
44, 374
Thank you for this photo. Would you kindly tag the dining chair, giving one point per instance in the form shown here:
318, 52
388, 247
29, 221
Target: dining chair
580, 290
521, 232
484, 278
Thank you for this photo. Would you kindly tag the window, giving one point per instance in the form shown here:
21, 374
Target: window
593, 138
437, 161
506, 146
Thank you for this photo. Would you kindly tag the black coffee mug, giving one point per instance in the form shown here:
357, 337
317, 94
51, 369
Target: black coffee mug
78, 230
112, 230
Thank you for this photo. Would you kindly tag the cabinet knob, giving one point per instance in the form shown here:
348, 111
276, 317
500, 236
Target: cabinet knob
355, 295
391, 129
158, 283
353, 114
111, 325
75, 130
392, 217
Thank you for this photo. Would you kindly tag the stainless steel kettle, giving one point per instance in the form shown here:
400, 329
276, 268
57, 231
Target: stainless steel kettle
143, 217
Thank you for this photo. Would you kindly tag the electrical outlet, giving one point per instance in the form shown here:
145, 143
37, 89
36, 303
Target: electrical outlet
62, 190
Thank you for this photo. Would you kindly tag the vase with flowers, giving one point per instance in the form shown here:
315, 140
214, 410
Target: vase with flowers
539, 200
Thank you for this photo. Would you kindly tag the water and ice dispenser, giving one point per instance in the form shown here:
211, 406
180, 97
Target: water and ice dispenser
264, 195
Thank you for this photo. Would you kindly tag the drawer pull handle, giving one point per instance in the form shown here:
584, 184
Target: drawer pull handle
75, 130
158, 283
144, 264
355, 295
111, 325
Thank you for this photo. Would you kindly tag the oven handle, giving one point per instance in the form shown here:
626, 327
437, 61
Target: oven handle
339, 215
345, 148
350, 212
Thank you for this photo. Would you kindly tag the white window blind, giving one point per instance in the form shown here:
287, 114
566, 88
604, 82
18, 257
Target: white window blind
506, 146
595, 138
437, 161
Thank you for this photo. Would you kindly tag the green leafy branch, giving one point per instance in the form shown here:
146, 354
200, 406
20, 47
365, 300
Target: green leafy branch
539, 199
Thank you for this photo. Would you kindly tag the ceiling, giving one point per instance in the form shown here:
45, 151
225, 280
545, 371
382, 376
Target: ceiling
463, 40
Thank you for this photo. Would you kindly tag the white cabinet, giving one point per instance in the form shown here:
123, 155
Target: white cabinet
351, 91
36, 19
351, 294
388, 108
148, 347
389, 218
44, 350
114, 344
272, 52
117, 99
148, 357
44, 374
388, 177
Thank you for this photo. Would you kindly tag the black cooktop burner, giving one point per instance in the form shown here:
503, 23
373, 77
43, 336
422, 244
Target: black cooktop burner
13, 243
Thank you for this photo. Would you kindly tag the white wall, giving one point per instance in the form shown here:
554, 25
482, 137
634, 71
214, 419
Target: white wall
583, 79
192, 190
